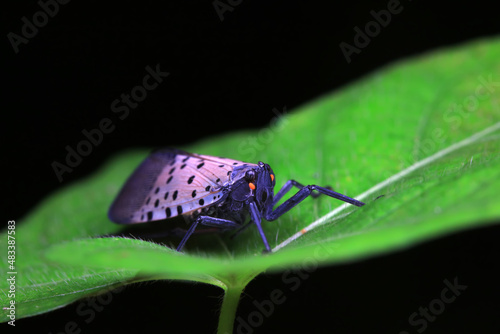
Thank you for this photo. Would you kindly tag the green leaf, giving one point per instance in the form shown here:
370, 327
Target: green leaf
419, 141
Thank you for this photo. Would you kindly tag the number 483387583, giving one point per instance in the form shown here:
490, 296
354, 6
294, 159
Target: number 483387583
11, 248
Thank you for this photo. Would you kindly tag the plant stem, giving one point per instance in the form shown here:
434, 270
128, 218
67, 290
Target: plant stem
228, 309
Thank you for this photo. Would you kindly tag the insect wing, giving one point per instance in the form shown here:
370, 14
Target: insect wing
170, 183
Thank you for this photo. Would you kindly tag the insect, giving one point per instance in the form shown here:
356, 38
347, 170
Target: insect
210, 191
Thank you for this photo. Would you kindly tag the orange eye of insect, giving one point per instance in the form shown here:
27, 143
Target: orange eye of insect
251, 185
272, 177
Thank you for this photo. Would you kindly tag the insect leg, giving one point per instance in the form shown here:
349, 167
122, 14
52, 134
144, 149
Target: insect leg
304, 192
207, 221
256, 217
187, 235
286, 188
217, 222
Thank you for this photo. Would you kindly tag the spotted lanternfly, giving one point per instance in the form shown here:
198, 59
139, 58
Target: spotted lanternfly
210, 191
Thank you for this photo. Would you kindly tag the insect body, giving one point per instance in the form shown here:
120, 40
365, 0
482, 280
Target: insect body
210, 191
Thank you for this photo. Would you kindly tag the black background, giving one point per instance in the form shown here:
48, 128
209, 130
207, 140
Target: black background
224, 76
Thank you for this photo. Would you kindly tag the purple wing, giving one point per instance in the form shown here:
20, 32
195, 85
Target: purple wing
170, 183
